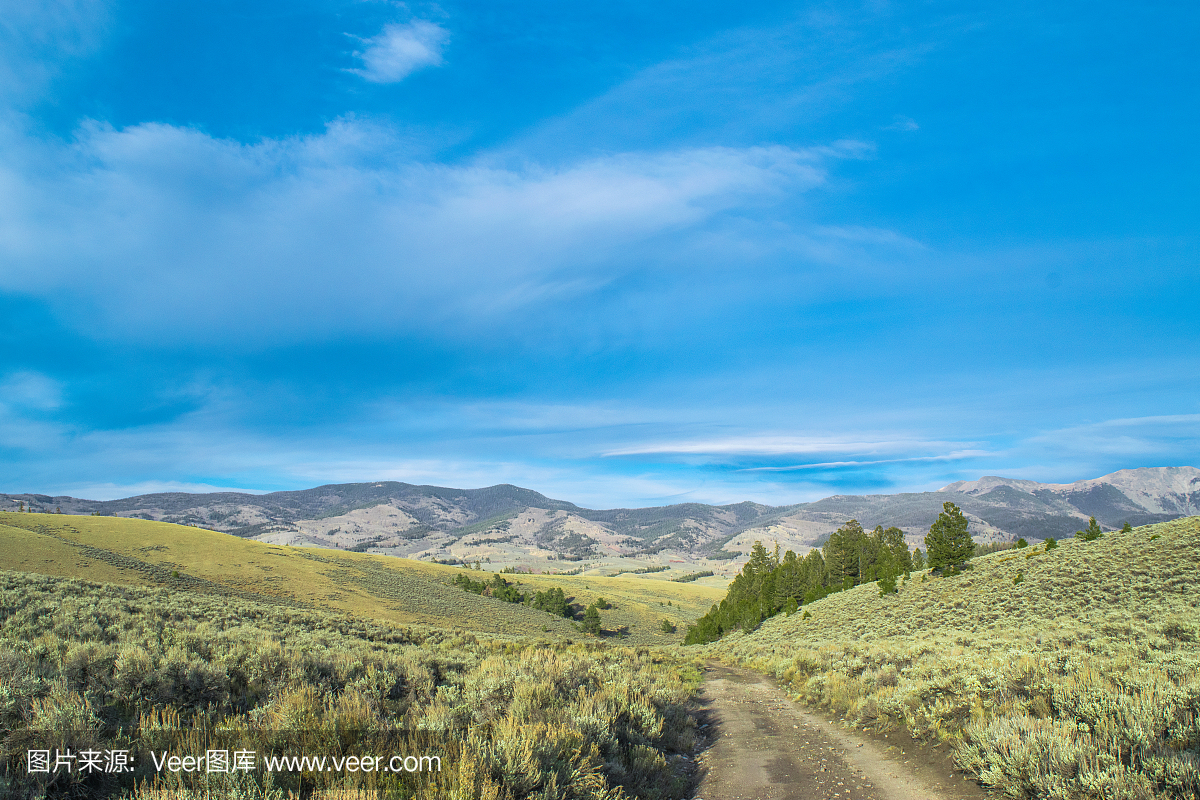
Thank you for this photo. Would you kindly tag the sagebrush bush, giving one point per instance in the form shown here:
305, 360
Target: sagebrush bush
1082, 680
511, 719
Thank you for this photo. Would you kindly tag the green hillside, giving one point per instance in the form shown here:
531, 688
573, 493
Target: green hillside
1067, 673
158, 554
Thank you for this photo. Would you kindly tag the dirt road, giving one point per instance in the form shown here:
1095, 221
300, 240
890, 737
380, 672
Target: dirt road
762, 746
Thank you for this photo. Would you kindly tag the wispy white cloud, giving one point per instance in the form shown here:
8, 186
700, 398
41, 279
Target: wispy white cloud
30, 391
765, 445
158, 231
955, 456
401, 49
902, 123
38, 39
1171, 435
116, 491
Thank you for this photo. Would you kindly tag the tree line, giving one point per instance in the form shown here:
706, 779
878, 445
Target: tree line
769, 584
553, 601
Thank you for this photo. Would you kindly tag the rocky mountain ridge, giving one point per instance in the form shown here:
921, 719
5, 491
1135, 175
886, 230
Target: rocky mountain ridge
508, 525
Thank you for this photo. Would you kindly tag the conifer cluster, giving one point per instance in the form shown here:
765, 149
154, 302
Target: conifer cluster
768, 584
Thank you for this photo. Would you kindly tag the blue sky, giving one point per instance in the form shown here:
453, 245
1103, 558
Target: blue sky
621, 253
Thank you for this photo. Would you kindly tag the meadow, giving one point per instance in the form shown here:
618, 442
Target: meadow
393, 590
1065, 673
88, 666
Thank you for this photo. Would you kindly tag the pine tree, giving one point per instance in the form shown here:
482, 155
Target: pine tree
902, 560
842, 553
789, 582
591, 620
1092, 533
949, 541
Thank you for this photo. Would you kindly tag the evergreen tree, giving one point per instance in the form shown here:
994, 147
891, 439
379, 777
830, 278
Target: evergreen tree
814, 570
591, 620
503, 590
873, 558
842, 555
552, 601
767, 584
918, 559
949, 541
1126, 528
1092, 533
901, 558
789, 583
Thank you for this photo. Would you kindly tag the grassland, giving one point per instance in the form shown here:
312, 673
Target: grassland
399, 591
88, 666
1068, 673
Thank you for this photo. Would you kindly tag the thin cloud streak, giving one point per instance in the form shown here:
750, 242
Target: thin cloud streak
778, 445
834, 464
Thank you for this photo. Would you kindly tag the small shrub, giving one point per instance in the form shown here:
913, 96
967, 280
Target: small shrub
668, 626
1022, 543
1051, 544
1019, 579
1178, 630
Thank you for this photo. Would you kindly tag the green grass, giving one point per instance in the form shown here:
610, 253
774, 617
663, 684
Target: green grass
1080, 680
400, 591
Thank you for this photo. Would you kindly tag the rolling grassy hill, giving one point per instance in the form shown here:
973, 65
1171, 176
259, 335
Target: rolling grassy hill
158, 554
1064, 673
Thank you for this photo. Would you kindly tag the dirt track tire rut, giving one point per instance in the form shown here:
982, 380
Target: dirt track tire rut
763, 746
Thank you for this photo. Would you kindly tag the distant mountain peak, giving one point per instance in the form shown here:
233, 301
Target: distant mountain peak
989, 482
1158, 490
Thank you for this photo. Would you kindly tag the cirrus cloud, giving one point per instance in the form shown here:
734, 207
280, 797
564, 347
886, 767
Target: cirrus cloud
157, 231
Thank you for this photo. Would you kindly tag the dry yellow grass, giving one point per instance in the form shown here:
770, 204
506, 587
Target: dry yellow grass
145, 553
1067, 673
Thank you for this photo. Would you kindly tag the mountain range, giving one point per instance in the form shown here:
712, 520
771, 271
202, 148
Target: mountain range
508, 525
